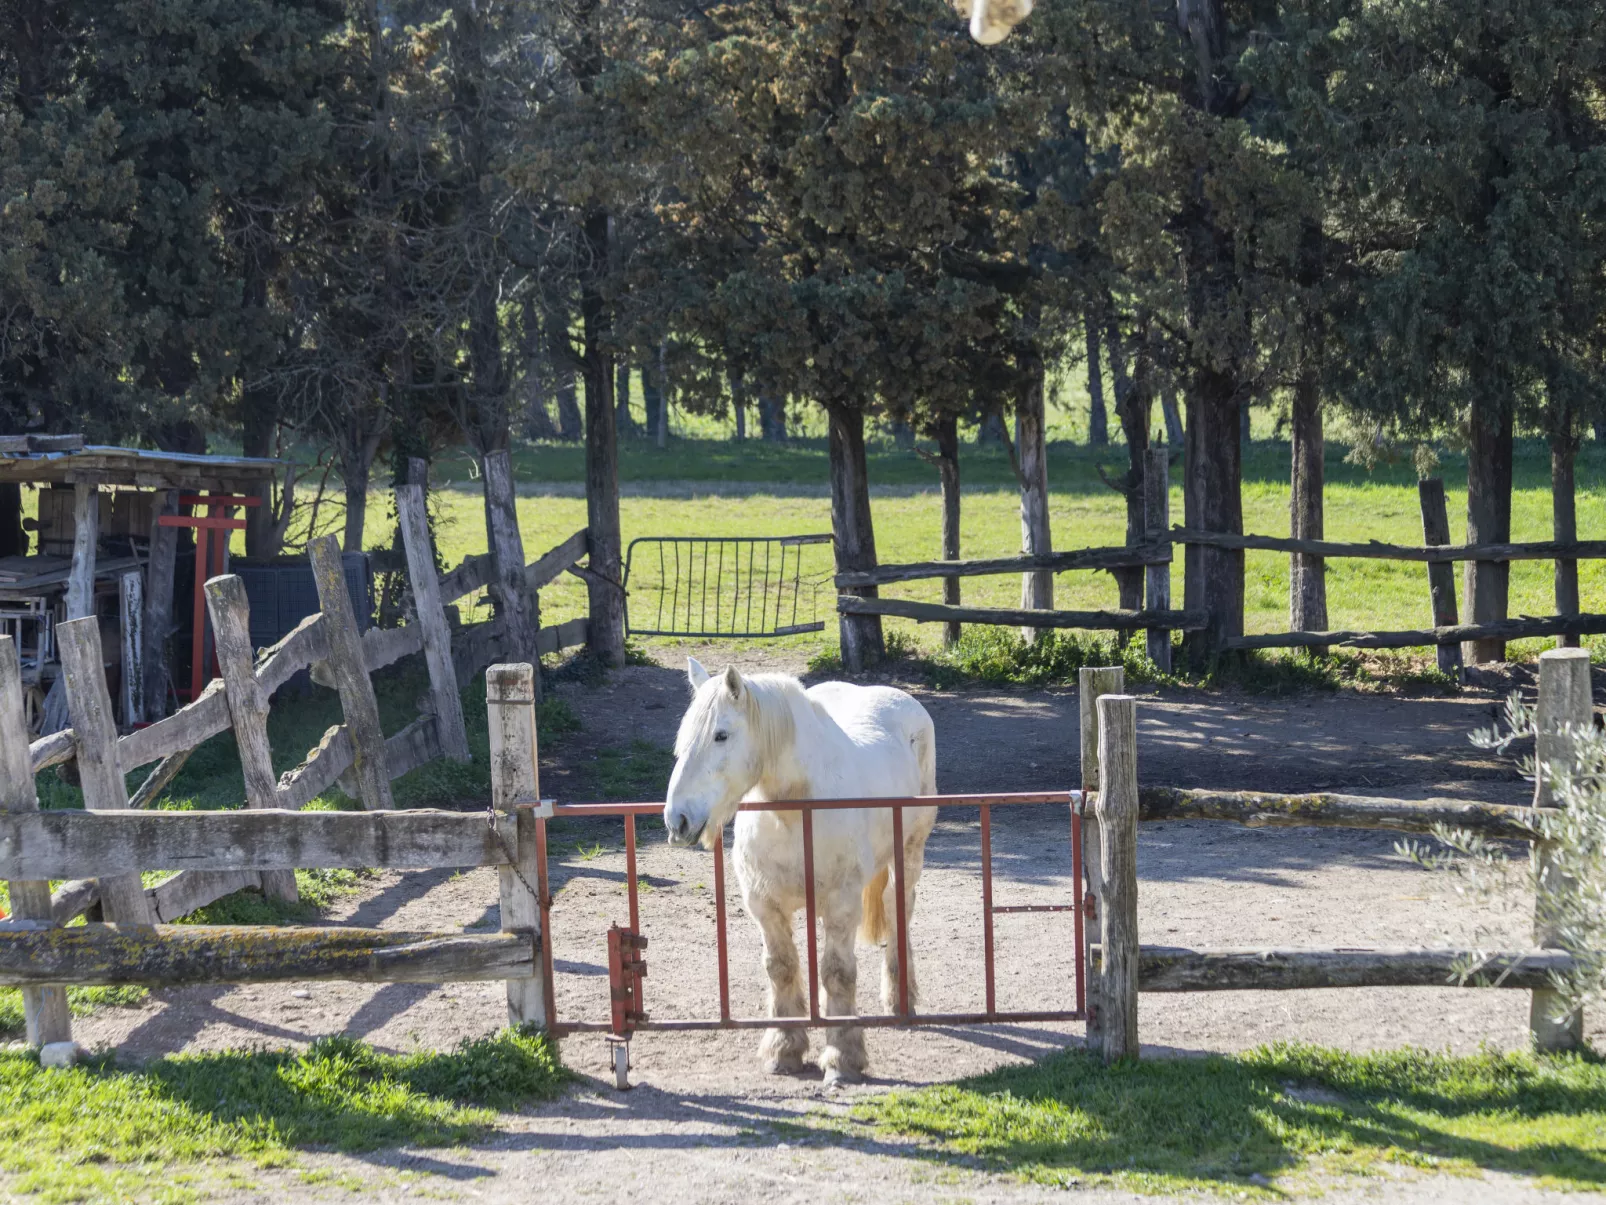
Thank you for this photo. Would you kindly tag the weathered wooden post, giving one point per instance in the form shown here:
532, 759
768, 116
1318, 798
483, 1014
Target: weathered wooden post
1565, 706
430, 616
1156, 526
350, 671
1441, 574
83, 668
1093, 682
516, 780
248, 709
44, 1009
131, 609
1118, 909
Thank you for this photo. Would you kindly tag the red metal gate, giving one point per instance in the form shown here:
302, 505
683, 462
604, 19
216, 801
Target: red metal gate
626, 946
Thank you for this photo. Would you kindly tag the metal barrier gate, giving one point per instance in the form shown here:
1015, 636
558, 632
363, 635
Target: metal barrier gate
626, 946
709, 586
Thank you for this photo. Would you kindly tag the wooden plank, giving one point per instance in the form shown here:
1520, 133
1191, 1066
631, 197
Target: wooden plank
1185, 621
321, 769
52, 750
303, 645
350, 672
476, 647
473, 574
563, 636
1261, 809
1565, 709
430, 619
515, 603
1118, 557
156, 781
86, 536
1504, 629
46, 1017
1177, 969
1093, 681
1118, 910
515, 779
131, 615
177, 955
248, 710
191, 889
386, 646
158, 618
186, 728
416, 745
1441, 574
122, 896
546, 568
1156, 522
59, 845
1533, 550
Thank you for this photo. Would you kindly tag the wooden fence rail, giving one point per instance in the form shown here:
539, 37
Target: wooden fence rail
851, 604
1119, 969
1537, 550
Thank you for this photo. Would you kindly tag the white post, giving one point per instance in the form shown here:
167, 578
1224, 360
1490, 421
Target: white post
1118, 910
1094, 682
516, 779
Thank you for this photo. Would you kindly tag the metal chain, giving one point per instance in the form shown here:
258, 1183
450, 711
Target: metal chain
512, 858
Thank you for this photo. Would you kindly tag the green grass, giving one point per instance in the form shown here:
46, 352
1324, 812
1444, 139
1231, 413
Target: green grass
639, 772
1255, 1122
101, 1132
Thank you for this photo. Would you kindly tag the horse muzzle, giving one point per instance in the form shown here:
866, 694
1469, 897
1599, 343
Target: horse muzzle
683, 830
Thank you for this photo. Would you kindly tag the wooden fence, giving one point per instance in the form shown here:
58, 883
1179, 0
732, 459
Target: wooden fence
354, 753
1120, 968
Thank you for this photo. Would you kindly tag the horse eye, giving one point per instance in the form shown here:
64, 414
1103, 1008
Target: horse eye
721, 736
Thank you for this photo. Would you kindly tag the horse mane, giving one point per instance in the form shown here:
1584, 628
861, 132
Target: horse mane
767, 700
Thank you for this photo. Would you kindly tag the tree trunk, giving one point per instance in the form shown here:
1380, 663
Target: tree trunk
1564, 520
606, 594
158, 619
991, 429
862, 641
1133, 408
624, 422
1243, 427
739, 405
1307, 580
259, 414
652, 398
662, 432
355, 476
13, 540
1098, 423
1489, 452
772, 417
1213, 498
1173, 419
1036, 589
948, 470
514, 605
569, 428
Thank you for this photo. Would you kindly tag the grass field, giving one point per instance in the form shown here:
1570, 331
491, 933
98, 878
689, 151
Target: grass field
719, 488
1262, 1122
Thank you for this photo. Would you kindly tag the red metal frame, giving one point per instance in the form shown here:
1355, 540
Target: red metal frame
215, 520
627, 967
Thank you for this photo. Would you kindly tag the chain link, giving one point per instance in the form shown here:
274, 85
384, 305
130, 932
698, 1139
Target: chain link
512, 858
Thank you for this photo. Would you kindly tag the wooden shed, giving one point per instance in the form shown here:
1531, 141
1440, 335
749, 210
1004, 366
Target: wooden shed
103, 538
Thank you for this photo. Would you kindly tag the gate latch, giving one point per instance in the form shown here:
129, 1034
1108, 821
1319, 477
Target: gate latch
626, 969
1090, 906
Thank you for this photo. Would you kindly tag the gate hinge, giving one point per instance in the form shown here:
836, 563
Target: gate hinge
1090, 906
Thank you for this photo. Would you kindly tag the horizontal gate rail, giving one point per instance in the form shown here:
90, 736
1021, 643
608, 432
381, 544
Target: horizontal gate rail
623, 1025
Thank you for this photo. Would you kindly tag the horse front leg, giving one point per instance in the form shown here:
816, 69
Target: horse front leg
781, 1051
844, 1059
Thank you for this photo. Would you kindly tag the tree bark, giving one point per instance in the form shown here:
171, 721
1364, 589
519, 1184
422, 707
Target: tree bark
1173, 418
355, 478
1307, 580
1489, 452
606, 594
1564, 520
652, 397
1133, 407
158, 620
1036, 589
662, 431
948, 471
739, 405
1098, 423
569, 427
624, 422
514, 605
1214, 502
772, 417
862, 642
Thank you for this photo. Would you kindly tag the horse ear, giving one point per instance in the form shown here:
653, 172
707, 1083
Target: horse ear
733, 681
695, 673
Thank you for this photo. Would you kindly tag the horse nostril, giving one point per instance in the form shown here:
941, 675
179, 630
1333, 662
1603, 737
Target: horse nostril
681, 824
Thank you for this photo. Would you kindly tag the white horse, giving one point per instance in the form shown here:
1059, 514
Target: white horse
765, 737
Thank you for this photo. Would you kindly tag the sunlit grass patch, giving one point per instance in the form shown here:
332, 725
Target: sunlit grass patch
1242, 1122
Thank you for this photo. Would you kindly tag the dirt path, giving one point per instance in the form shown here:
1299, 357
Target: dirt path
1204, 884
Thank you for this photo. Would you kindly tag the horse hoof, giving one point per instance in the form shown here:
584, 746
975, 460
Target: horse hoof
783, 1066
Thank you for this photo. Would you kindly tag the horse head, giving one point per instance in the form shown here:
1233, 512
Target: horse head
719, 755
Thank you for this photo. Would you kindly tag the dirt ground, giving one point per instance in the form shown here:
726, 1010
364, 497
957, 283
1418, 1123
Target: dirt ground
695, 1126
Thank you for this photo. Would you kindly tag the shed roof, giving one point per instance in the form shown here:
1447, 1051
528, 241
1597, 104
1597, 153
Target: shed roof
53, 459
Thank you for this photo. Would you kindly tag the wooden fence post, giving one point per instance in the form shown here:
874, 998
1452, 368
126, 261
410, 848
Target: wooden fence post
1093, 682
1157, 528
516, 779
44, 1009
1565, 704
1118, 910
99, 772
248, 709
430, 616
131, 600
350, 670
1441, 574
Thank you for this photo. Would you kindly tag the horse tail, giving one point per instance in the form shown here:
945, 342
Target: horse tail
873, 928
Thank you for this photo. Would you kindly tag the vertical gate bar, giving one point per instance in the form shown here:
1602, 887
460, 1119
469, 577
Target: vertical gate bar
752, 552
901, 912
630, 871
1077, 881
702, 599
808, 913
987, 903
662, 574
763, 610
719, 929
548, 980
797, 580
719, 583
